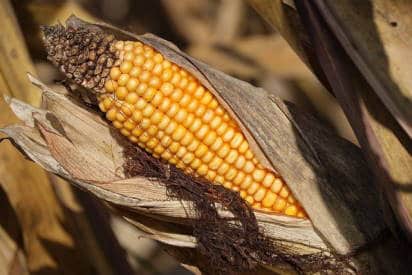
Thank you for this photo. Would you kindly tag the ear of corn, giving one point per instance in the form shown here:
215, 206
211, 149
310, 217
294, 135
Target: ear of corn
166, 111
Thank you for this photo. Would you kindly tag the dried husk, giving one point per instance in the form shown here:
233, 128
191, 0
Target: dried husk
326, 173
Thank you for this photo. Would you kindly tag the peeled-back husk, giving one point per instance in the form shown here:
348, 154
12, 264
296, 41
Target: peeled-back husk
326, 173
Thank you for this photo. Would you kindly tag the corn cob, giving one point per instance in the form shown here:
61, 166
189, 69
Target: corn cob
167, 112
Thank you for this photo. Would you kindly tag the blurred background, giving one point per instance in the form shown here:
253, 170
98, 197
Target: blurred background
46, 227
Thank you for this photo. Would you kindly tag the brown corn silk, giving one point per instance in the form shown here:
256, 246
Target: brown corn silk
166, 111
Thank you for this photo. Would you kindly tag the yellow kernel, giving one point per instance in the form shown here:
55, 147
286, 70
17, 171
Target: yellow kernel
260, 194
180, 115
187, 139
129, 56
144, 76
206, 98
157, 70
195, 125
269, 199
249, 155
158, 149
240, 176
250, 200
179, 133
279, 204
173, 109
141, 88
258, 175
138, 60
189, 120
148, 65
240, 162
110, 86
199, 92
201, 133
126, 66
223, 168
291, 210
125, 132
166, 75
148, 53
193, 145
132, 84
115, 73
135, 72
166, 141
202, 170
221, 129
157, 99
152, 143
176, 95
208, 116
175, 79
101, 107
149, 94
117, 124
171, 127
284, 192
201, 150
174, 147
165, 105
211, 175
164, 123
215, 163
183, 83
236, 140
128, 46
108, 102
120, 117
152, 130
246, 182
158, 58
155, 82
210, 138
132, 98
185, 100
145, 123
213, 104
192, 106
248, 167
137, 116
217, 144
157, 117
243, 194
244, 146
231, 174
215, 123
127, 109
148, 110
123, 79
196, 163
223, 151
268, 180
121, 93
200, 111
191, 87
181, 152
166, 88
129, 125
133, 139
207, 157
111, 114
137, 132
188, 158
227, 184
231, 157
253, 188
277, 185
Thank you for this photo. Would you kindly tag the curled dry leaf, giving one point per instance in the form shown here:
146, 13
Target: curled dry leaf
326, 173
